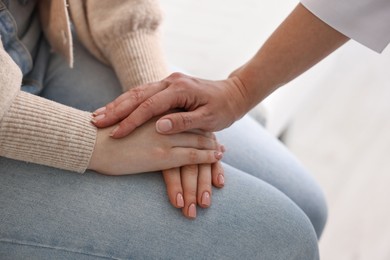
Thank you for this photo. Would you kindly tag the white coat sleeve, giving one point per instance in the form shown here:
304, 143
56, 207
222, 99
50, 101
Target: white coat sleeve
365, 21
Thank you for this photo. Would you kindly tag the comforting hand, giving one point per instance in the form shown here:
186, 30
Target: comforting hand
145, 150
207, 105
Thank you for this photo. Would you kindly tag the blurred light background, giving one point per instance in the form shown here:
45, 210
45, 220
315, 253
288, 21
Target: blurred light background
337, 115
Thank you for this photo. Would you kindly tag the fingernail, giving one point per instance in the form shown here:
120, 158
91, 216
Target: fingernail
97, 118
164, 125
192, 211
205, 199
223, 148
114, 131
99, 111
179, 200
221, 179
218, 155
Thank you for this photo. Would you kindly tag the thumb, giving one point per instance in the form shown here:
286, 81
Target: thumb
181, 122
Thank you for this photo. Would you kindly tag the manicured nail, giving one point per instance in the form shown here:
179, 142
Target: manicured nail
97, 118
99, 111
221, 179
205, 199
192, 211
164, 125
218, 155
179, 200
114, 131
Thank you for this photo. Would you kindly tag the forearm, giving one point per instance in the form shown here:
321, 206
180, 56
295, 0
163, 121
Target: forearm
41, 131
126, 35
300, 42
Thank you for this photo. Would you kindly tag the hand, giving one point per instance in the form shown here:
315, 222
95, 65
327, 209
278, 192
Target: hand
191, 185
208, 105
145, 150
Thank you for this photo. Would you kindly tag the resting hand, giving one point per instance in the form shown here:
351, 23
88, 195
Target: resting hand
191, 185
145, 150
208, 105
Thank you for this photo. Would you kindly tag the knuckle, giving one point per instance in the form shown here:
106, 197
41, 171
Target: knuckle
191, 169
202, 142
193, 156
178, 81
190, 194
110, 106
186, 120
137, 94
148, 103
176, 75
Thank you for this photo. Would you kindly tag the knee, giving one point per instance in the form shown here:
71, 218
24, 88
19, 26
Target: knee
267, 224
317, 212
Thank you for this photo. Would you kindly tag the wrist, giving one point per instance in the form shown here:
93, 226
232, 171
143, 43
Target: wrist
256, 81
100, 155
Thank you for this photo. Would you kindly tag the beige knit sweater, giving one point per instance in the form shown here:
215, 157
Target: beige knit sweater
120, 33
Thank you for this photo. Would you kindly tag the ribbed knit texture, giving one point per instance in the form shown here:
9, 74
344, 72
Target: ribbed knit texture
138, 58
44, 132
127, 35
10, 81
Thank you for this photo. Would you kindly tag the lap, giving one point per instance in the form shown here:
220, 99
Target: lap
130, 217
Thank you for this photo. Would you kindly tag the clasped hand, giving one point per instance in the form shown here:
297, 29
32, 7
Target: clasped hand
146, 150
206, 105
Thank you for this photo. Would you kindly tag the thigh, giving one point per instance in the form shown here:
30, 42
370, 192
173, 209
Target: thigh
49, 214
253, 150
88, 86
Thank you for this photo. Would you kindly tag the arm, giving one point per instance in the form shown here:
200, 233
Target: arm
41, 131
297, 44
38, 130
123, 34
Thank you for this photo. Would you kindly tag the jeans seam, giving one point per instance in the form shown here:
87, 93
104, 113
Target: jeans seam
55, 248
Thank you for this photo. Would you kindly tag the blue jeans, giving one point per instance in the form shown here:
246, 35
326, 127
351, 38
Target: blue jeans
270, 208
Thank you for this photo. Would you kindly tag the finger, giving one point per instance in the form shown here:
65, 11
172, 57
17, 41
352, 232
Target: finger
189, 180
173, 182
180, 156
125, 104
218, 175
184, 121
203, 133
175, 95
204, 185
194, 141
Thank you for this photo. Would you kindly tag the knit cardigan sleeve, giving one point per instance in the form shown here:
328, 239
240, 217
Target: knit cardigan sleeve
124, 34
37, 130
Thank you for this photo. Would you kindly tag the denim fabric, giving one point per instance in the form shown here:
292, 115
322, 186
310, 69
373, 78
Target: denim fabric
11, 42
33, 65
33, 81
